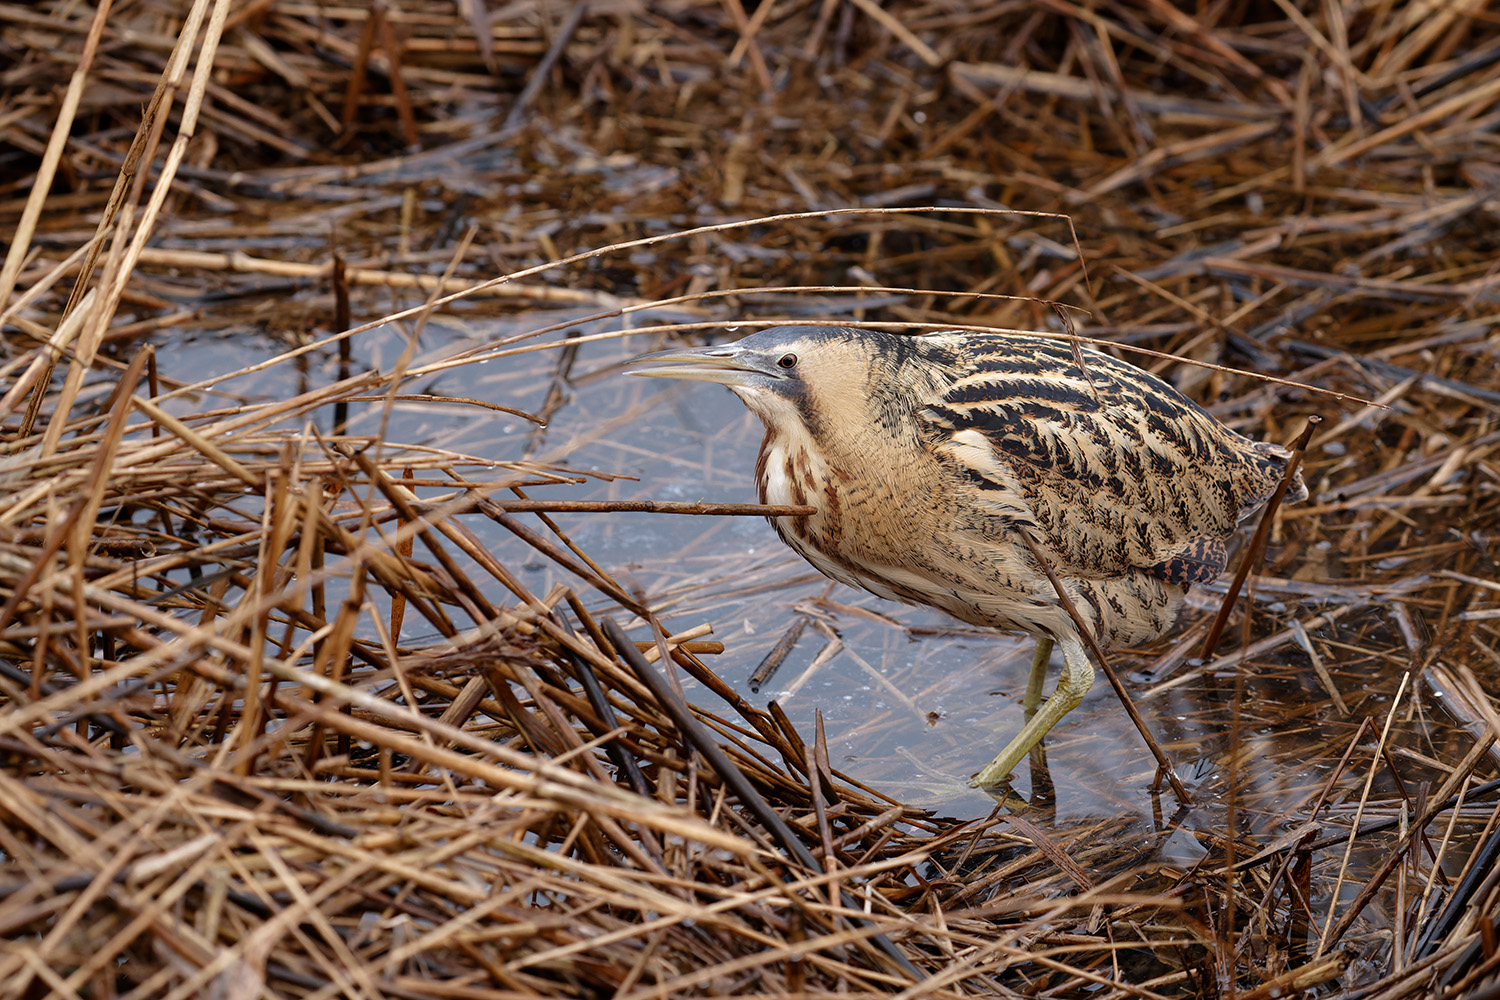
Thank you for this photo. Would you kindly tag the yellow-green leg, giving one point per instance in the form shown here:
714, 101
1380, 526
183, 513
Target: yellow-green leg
1040, 658
1077, 677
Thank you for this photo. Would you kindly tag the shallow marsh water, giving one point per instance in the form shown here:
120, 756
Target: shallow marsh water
913, 702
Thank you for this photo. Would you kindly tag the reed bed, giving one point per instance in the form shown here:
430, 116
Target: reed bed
276, 721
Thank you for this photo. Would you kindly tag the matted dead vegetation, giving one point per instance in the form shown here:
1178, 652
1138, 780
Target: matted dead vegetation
275, 722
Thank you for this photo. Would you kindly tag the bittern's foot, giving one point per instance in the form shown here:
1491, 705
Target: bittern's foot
1077, 677
1011, 800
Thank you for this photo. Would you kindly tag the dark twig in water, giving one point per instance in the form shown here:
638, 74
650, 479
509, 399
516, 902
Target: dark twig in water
1163, 763
778, 653
1258, 540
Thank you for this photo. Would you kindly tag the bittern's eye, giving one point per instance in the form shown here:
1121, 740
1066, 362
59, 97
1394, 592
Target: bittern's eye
787, 361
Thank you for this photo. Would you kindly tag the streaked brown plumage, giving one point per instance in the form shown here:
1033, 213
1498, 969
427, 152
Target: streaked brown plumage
928, 455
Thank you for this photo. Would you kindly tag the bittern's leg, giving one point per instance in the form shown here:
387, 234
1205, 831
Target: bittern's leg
1077, 677
1039, 660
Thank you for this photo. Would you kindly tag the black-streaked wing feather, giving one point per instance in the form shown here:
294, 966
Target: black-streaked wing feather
1116, 471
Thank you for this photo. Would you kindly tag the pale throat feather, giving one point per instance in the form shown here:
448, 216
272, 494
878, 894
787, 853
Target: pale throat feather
787, 473
786, 462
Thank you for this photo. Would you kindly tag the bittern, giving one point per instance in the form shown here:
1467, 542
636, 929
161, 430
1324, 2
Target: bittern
933, 459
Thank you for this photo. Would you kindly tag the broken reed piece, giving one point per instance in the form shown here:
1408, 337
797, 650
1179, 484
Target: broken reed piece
696, 647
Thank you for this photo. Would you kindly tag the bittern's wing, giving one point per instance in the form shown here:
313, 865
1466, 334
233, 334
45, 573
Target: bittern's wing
1115, 468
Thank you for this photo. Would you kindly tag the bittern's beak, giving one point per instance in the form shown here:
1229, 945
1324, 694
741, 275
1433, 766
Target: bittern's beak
727, 364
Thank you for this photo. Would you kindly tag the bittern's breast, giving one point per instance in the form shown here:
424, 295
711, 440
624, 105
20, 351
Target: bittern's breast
897, 522
870, 525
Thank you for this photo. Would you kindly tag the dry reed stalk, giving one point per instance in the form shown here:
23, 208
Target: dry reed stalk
274, 717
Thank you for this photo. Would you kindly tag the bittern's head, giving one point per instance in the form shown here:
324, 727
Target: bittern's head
818, 375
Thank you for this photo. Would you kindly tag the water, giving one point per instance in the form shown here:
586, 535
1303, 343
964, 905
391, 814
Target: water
913, 703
